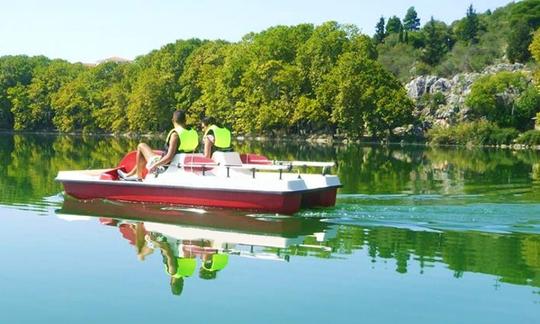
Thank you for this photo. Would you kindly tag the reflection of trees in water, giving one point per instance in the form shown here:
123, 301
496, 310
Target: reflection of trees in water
30, 163
515, 258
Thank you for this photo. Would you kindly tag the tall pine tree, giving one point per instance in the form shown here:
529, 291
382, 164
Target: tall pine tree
393, 25
471, 26
411, 22
380, 32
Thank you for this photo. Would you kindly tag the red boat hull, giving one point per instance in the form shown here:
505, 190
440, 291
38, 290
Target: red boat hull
284, 203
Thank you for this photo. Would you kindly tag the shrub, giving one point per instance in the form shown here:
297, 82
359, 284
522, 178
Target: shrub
531, 137
473, 133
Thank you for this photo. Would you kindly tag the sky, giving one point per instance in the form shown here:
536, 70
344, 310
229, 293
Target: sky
88, 31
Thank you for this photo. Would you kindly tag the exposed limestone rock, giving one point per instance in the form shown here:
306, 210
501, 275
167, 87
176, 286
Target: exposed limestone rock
441, 101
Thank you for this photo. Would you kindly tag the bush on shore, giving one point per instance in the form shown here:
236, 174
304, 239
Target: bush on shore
472, 133
531, 137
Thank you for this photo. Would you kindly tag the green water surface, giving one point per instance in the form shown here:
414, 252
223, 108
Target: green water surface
418, 235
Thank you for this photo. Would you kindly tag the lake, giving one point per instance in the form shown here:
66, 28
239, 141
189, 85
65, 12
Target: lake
418, 234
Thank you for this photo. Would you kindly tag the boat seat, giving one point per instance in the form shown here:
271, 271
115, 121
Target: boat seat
227, 158
196, 162
251, 158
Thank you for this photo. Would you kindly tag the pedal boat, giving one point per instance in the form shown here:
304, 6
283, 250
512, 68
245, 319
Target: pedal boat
228, 180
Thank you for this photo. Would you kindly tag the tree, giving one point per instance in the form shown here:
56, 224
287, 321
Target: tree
365, 97
380, 32
411, 22
505, 98
471, 26
518, 43
393, 25
534, 48
437, 42
33, 108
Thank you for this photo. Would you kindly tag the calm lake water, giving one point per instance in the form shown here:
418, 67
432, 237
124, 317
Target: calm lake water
418, 235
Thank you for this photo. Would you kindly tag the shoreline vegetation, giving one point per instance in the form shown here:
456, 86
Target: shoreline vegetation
317, 140
316, 83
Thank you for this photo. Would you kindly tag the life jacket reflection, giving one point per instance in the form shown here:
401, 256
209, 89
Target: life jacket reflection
222, 136
189, 139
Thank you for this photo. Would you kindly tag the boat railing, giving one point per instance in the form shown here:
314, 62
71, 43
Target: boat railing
325, 166
275, 165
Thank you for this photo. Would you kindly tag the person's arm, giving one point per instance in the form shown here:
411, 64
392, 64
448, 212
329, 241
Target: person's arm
171, 152
208, 147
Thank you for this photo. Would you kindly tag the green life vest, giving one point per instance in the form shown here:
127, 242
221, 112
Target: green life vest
189, 139
219, 261
184, 267
222, 136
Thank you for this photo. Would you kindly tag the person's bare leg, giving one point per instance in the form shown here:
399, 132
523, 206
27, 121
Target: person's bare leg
144, 152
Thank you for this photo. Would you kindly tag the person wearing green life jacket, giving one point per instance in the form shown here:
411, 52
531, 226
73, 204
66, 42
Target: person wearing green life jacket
215, 138
176, 266
212, 264
180, 139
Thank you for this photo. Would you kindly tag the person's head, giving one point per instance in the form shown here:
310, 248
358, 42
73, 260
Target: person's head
207, 121
177, 285
179, 117
206, 274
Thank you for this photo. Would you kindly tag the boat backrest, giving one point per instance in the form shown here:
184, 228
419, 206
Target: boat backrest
252, 158
196, 162
227, 158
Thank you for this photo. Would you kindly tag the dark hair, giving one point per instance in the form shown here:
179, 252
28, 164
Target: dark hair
208, 120
179, 117
177, 285
207, 274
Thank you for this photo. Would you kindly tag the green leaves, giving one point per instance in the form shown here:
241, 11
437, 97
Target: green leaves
287, 79
507, 99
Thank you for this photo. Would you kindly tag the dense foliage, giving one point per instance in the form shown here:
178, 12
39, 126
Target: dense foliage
286, 79
474, 133
466, 45
303, 79
531, 137
507, 99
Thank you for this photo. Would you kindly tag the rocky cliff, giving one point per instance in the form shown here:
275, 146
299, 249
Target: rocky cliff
441, 101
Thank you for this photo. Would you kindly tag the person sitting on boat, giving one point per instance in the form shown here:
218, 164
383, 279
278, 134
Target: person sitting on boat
215, 138
180, 139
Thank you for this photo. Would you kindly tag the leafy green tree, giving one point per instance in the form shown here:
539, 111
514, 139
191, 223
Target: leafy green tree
411, 22
505, 98
15, 70
156, 87
318, 54
518, 43
280, 42
534, 48
32, 108
471, 26
380, 32
437, 42
204, 91
365, 97
393, 25
270, 94
84, 104
150, 104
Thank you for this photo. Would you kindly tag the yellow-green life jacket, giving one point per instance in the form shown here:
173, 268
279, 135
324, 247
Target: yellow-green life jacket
222, 136
189, 139
184, 267
219, 261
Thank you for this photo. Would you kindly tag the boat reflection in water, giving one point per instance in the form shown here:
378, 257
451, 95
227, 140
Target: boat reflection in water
191, 238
